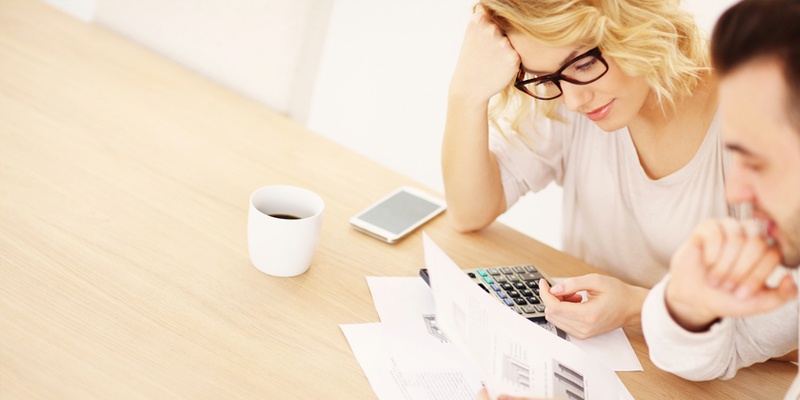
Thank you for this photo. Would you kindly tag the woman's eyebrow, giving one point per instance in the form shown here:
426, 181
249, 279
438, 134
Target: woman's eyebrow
540, 73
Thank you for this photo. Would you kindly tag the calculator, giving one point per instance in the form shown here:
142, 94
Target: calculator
516, 286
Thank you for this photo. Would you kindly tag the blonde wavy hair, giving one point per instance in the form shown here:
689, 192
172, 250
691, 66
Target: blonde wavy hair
653, 39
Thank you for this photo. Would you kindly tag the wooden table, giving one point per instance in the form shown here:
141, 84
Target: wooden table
124, 181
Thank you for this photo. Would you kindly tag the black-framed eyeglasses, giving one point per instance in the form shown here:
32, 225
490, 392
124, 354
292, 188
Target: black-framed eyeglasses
581, 70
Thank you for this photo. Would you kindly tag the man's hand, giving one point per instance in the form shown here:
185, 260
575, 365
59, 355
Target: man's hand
721, 271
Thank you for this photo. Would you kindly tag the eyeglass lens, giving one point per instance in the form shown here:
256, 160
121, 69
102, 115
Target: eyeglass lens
583, 70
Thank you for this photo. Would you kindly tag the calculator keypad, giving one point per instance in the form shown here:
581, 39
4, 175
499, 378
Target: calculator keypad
515, 286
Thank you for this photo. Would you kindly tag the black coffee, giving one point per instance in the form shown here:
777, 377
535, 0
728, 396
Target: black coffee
283, 216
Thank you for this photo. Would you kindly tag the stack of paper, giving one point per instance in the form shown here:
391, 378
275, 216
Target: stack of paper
408, 355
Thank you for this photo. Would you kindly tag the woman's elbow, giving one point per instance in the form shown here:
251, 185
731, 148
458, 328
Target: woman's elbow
466, 223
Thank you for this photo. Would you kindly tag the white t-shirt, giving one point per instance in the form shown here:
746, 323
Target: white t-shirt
729, 345
615, 217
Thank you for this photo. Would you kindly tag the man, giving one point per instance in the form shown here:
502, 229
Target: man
715, 313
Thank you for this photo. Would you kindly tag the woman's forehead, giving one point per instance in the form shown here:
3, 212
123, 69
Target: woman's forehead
540, 58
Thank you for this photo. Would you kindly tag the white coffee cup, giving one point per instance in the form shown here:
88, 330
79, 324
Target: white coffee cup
283, 226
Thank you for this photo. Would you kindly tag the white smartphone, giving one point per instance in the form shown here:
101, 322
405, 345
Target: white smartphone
396, 215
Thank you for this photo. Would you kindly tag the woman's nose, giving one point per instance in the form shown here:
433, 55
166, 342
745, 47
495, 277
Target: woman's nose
575, 97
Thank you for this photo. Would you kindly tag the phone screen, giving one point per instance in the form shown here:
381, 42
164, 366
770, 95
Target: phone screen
399, 212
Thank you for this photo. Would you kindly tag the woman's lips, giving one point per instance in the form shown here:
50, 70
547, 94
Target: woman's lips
601, 112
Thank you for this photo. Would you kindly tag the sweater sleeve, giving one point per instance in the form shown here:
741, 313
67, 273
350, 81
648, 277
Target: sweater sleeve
533, 157
729, 345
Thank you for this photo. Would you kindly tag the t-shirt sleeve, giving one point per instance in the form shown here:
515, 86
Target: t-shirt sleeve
729, 345
531, 159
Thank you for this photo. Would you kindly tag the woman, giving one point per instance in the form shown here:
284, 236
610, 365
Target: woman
613, 100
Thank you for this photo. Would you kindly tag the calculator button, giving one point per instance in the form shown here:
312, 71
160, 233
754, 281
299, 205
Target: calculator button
500, 278
535, 276
506, 286
488, 279
518, 269
508, 302
519, 285
493, 271
538, 308
512, 278
517, 309
513, 293
481, 272
520, 301
526, 276
530, 268
533, 300
526, 293
505, 270
533, 284
529, 309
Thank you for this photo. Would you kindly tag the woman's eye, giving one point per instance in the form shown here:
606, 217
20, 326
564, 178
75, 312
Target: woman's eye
586, 65
545, 84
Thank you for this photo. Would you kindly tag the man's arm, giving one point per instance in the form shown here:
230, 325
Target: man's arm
715, 313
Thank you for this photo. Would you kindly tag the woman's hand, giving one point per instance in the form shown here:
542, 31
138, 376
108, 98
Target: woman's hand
484, 395
610, 304
487, 62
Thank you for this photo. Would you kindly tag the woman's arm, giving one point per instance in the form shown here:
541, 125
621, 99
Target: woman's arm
486, 65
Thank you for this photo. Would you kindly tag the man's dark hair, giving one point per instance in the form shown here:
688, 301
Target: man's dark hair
755, 29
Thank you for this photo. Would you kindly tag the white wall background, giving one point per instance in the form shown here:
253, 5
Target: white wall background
266, 50
369, 74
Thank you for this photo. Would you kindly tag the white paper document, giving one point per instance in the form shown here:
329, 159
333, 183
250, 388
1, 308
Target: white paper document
406, 356
612, 349
401, 298
515, 356
400, 367
408, 300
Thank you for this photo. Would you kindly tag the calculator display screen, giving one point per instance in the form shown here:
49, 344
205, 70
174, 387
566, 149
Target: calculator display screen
399, 212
